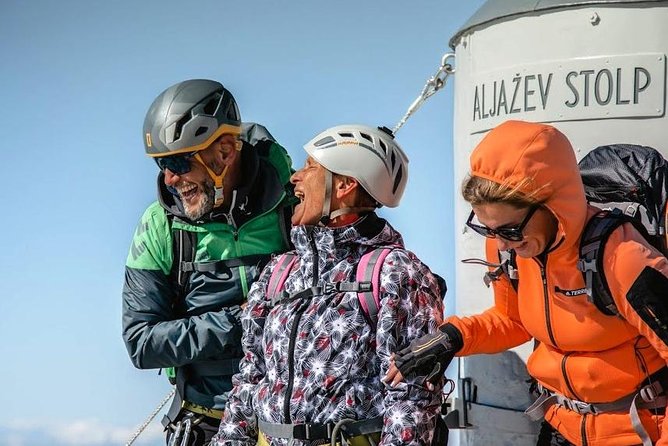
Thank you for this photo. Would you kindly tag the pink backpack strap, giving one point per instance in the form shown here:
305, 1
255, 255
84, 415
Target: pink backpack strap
368, 270
279, 275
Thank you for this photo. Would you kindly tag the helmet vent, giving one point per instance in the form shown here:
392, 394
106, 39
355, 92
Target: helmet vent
393, 159
233, 112
201, 130
367, 137
397, 179
179, 126
384, 147
323, 141
212, 104
346, 135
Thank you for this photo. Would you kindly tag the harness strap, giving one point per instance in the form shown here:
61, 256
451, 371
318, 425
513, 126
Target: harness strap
318, 431
651, 396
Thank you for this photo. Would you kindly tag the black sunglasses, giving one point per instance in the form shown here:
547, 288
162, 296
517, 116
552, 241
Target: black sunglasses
177, 164
513, 234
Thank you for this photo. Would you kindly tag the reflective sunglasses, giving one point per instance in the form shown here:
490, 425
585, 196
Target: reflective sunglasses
177, 164
513, 234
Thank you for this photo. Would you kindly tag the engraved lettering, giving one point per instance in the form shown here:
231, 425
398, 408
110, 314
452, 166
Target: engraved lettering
576, 95
517, 79
597, 87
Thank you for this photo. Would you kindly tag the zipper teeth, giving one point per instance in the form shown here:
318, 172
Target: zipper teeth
566, 380
291, 367
293, 335
314, 282
548, 324
583, 430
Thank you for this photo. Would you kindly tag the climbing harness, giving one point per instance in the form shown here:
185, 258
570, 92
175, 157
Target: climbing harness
434, 83
345, 432
183, 428
150, 417
650, 396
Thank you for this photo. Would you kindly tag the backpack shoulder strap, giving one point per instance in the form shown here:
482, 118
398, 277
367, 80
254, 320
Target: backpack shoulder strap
592, 245
368, 271
279, 275
507, 266
184, 246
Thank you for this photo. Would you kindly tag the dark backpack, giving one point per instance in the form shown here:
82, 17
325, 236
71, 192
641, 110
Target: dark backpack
630, 184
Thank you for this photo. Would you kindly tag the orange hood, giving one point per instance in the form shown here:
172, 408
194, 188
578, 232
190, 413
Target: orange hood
516, 150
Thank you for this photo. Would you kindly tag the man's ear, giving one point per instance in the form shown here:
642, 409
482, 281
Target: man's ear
345, 186
230, 155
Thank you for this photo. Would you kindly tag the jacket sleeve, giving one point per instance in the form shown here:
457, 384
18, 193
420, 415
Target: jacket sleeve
637, 276
154, 335
498, 328
239, 423
411, 307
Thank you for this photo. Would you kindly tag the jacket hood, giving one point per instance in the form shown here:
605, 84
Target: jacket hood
516, 150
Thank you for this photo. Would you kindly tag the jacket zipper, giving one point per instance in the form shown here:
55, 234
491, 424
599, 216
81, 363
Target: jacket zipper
291, 357
302, 306
235, 233
546, 298
583, 430
566, 380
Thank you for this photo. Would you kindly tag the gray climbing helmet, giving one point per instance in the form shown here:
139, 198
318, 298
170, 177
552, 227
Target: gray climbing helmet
368, 154
188, 117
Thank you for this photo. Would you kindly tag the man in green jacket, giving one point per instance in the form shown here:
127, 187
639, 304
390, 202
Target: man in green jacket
224, 203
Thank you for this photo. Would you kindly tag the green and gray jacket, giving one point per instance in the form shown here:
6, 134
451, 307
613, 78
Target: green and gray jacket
195, 327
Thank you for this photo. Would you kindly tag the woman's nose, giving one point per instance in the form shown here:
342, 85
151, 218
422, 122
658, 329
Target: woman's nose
294, 178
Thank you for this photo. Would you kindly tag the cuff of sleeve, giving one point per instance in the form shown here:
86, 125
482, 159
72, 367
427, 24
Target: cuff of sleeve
456, 338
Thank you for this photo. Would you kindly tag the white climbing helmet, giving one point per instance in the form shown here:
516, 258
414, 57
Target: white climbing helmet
368, 154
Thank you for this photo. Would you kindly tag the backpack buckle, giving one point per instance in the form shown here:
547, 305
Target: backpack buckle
585, 265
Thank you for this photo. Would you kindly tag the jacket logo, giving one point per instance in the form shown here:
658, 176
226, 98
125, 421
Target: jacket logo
571, 293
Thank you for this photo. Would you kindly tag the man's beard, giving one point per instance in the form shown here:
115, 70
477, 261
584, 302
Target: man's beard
205, 204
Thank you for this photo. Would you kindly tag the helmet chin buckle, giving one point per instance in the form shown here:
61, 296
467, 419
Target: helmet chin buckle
218, 196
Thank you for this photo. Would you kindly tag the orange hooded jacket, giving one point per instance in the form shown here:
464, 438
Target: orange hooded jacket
582, 353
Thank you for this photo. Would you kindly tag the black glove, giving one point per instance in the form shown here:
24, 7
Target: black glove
431, 354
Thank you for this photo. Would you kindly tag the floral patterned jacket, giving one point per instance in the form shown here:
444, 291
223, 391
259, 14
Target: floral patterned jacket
318, 360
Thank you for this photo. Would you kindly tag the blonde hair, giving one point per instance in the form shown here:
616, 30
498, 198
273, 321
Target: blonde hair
477, 190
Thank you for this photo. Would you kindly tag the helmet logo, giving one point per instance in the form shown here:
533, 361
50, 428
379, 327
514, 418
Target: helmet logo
148, 140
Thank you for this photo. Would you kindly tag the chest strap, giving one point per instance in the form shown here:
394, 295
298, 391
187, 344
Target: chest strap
317, 431
224, 266
328, 288
651, 396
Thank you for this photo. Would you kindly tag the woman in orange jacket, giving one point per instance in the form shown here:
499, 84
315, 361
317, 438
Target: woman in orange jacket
601, 378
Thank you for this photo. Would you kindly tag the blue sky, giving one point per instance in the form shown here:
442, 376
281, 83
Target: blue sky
77, 78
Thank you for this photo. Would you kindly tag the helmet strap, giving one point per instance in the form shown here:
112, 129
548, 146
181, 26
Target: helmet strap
327, 214
344, 211
327, 203
219, 195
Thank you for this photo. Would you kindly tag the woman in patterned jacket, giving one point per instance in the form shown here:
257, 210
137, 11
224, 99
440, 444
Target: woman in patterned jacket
314, 351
